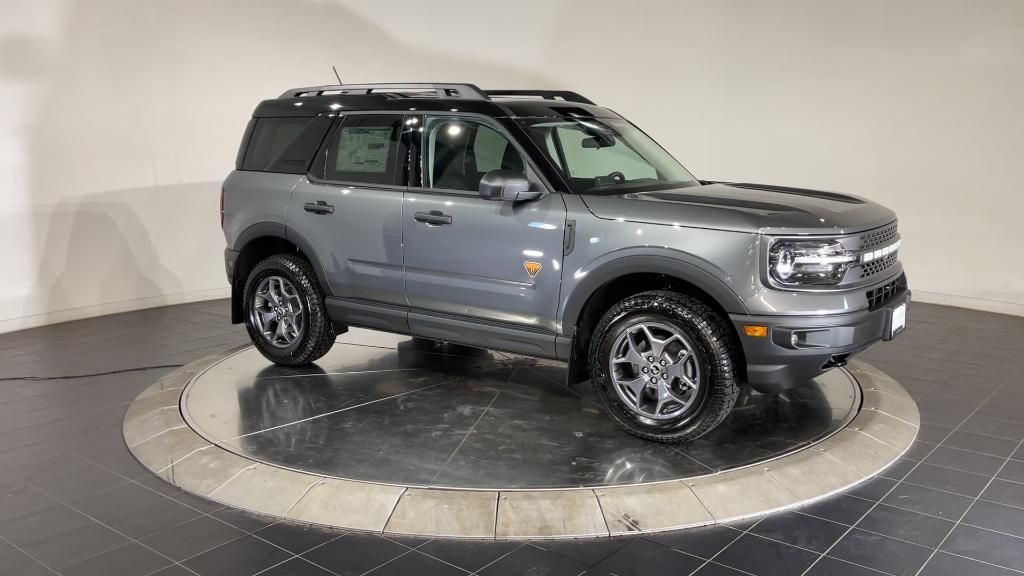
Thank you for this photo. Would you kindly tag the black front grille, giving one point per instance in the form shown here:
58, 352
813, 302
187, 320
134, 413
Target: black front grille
878, 237
883, 294
879, 265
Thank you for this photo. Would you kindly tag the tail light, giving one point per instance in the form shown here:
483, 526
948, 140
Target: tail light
221, 205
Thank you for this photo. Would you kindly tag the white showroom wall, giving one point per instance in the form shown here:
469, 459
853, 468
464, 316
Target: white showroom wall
916, 104
119, 118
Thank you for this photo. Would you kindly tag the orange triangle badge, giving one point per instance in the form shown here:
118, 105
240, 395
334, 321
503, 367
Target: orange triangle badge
532, 268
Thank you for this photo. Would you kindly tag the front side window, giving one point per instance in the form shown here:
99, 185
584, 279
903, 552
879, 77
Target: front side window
606, 156
457, 152
365, 150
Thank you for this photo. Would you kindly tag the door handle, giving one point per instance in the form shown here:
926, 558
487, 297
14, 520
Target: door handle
434, 218
318, 207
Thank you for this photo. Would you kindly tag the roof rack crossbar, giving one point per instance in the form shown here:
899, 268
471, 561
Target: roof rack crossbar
442, 90
566, 95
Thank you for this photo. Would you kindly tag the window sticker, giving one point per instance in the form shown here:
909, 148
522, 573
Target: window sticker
363, 150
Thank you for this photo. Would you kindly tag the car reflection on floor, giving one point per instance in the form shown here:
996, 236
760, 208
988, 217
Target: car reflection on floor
435, 414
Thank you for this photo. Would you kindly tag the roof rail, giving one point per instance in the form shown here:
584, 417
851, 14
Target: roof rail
444, 90
545, 94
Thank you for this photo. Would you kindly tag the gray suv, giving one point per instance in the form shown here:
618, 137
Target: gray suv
536, 222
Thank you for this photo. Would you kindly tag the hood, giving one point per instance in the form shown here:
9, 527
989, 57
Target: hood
745, 208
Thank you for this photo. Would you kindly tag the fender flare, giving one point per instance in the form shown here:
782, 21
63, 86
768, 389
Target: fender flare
259, 230
273, 230
284, 232
307, 250
676, 265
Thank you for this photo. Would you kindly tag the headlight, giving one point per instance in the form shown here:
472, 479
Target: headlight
793, 262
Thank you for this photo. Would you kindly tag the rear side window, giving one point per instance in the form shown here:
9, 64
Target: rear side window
284, 144
365, 149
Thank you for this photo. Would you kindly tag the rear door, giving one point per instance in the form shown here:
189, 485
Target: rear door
349, 210
495, 262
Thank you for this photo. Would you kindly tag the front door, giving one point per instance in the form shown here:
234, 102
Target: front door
495, 262
349, 209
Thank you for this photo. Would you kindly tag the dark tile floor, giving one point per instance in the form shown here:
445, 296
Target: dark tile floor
73, 501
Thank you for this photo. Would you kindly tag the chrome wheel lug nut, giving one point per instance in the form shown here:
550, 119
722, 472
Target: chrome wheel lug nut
650, 359
664, 363
644, 369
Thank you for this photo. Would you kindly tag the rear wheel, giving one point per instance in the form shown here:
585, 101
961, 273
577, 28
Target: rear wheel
284, 311
665, 366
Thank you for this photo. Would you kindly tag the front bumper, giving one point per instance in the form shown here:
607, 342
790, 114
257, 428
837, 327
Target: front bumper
775, 363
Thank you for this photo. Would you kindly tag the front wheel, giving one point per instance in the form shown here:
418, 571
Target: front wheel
664, 365
285, 313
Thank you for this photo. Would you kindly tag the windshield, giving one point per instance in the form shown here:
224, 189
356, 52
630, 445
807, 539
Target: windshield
606, 156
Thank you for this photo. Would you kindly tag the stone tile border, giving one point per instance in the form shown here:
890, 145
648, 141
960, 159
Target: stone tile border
881, 432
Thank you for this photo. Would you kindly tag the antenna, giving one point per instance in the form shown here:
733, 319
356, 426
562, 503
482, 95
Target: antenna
336, 75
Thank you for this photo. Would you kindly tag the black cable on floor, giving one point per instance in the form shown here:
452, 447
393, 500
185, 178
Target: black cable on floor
121, 371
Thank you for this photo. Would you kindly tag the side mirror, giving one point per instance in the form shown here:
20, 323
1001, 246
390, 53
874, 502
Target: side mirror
508, 185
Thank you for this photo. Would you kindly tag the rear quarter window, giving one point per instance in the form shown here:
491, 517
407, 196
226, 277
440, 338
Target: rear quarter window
285, 145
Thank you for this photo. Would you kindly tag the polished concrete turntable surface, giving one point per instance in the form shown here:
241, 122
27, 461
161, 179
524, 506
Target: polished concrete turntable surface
395, 410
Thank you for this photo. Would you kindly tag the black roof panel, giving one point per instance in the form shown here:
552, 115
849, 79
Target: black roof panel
503, 107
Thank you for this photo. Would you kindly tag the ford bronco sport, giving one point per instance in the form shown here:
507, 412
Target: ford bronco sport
538, 223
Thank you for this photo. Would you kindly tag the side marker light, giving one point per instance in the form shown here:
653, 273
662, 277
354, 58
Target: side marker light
755, 331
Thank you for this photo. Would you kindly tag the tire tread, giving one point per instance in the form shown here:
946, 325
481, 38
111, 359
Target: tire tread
722, 375
319, 336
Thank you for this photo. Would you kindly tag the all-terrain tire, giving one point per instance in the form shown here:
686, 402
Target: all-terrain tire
317, 335
715, 349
